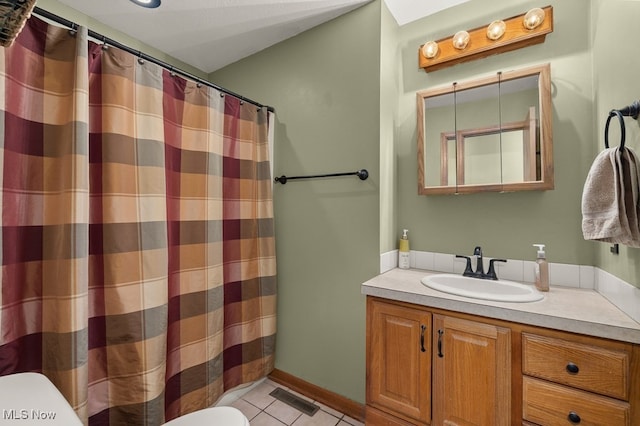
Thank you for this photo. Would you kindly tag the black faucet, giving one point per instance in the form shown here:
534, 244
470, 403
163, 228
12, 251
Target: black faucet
479, 272
477, 252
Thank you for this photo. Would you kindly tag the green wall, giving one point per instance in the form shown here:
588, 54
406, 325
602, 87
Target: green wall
504, 224
594, 68
390, 56
617, 84
344, 94
325, 87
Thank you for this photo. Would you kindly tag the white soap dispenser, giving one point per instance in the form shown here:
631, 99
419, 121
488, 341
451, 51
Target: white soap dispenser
404, 260
541, 269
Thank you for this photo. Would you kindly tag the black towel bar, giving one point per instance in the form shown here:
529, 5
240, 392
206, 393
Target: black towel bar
632, 111
614, 113
362, 174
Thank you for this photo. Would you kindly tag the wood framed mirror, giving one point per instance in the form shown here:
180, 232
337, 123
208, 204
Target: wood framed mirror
490, 134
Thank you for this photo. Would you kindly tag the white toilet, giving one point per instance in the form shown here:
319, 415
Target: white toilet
213, 416
26, 397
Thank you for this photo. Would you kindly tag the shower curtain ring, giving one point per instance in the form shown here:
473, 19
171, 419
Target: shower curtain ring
614, 112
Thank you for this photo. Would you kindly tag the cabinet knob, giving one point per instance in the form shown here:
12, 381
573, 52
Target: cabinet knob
423, 328
572, 368
574, 417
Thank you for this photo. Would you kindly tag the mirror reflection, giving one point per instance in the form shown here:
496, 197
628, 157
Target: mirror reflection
492, 134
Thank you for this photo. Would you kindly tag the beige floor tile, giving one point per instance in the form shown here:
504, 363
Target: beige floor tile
264, 410
272, 383
351, 421
321, 418
249, 410
259, 396
283, 412
329, 410
263, 419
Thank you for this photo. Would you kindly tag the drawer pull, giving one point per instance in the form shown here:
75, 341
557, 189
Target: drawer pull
423, 328
574, 417
572, 368
440, 333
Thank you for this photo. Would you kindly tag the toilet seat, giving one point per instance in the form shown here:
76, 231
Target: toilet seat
223, 416
28, 398
18, 391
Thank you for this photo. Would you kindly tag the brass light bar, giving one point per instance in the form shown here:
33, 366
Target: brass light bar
516, 36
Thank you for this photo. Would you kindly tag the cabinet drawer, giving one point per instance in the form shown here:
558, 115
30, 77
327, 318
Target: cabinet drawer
550, 404
583, 366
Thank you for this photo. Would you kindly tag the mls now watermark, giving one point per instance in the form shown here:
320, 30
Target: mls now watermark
28, 414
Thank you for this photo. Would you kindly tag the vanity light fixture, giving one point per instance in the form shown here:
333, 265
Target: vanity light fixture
496, 29
460, 40
151, 4
533, 18
430, 49
526, 29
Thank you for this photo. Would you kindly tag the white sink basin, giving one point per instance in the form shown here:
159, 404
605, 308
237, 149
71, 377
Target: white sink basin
499, 291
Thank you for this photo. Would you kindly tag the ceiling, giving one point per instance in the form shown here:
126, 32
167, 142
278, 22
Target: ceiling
210, 34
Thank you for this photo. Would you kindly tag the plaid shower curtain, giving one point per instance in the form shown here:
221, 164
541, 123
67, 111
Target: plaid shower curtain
138, 254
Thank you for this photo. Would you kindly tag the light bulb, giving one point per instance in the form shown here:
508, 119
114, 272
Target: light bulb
496, 29
430, 49
460, 40
147, 3
533, 18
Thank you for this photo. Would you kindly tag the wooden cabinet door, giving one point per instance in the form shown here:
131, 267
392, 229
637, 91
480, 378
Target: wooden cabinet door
472, 373
399, 360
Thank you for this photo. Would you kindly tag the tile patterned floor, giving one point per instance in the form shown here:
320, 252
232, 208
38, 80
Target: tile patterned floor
264, 410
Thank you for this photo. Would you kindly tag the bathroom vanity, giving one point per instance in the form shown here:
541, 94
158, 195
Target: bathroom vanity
436, 358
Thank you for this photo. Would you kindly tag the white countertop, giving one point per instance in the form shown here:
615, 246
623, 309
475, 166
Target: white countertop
568, 309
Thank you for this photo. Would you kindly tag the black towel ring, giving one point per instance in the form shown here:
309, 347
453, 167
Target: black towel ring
622, 128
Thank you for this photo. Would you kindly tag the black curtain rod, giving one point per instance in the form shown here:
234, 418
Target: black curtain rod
72, 25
